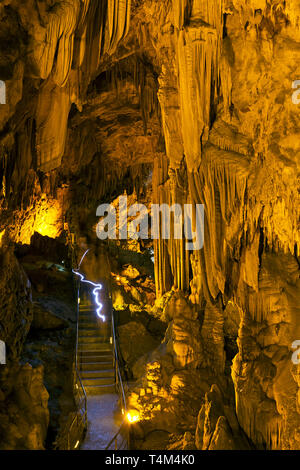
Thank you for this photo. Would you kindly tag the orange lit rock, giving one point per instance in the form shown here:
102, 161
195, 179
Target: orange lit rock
193, 98
45, 217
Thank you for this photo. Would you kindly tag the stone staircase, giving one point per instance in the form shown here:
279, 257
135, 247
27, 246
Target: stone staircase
95, 355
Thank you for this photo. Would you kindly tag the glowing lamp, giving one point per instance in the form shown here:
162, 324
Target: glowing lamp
133, 416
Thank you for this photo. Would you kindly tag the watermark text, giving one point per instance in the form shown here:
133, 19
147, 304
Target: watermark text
166, 222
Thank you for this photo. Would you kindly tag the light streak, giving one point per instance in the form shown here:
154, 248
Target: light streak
97, 288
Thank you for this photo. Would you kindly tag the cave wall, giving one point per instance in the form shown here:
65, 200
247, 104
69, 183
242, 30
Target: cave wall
230, 129
24, 414
212, 79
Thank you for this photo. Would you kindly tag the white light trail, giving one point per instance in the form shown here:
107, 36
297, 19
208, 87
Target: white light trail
97, 288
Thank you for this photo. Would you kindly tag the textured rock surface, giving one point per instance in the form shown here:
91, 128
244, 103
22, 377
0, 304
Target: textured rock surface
45, 320
195, 95
16, 303
23, 408
131, 345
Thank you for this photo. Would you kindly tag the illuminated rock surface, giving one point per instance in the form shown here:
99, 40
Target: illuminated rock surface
174, 101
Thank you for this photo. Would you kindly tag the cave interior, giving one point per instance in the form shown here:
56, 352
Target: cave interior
191, 105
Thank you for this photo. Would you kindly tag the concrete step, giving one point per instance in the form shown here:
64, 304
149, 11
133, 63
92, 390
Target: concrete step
88, 366
93, 339
95, 381
89, 331
95, 354
88, 315
94, 347
87, 310
92, 311
97, 374
93, 334
100, 389
96, 359
93, 314
94, 320
97, 330
88, 324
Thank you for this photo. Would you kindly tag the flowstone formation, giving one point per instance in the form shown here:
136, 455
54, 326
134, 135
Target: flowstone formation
169, 102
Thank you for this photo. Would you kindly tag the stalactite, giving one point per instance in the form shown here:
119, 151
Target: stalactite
55, 57
148, 97
181, 12
163, 279
118, 13
170, 111
220, 185
55, 53
91, 37
51, 125
228, 138
80, 35
172, 260
198, 64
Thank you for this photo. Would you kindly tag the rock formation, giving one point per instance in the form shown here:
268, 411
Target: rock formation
169, 102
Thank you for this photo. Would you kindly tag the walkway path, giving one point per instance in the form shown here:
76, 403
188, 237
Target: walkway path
95, 358
104, 420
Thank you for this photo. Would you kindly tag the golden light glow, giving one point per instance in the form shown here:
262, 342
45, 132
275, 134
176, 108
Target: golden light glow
1, 236
47, 221
76, 445
45, 218
133, 416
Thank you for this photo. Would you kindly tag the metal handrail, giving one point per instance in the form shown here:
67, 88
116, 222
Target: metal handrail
81, 401
82, 411
120, 389
118, 376
118, 381
115, 438
76, 356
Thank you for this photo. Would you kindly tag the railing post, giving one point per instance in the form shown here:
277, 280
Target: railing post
80, 394
128, 437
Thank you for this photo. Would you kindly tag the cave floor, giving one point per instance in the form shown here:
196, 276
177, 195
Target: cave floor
104, 420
